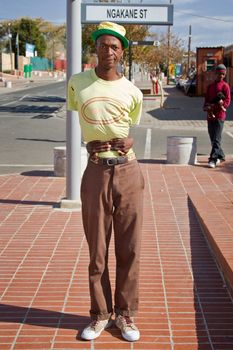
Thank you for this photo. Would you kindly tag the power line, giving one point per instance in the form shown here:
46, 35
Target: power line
206, 17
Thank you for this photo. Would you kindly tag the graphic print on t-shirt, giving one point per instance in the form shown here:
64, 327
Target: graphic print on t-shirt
102, 110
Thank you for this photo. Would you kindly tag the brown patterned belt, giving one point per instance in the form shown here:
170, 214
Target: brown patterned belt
112, 161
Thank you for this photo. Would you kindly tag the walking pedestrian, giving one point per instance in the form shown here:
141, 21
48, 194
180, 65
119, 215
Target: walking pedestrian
154, 80
217, 99
112, 183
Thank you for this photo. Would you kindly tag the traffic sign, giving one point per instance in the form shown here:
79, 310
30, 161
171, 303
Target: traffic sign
127, 14
145, 43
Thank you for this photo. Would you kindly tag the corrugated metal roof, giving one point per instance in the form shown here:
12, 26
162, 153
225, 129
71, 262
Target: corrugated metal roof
210, 47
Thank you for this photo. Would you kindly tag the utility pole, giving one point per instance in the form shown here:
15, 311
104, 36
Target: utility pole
73, 133
168, 50
130, 60
10, 44
17, 50
189, 48
1, 49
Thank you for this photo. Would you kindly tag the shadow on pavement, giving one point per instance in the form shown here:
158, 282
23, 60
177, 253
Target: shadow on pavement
44, 99
42, 140
152, 161
29, 109
42, 173
28, 202
179, 106
41, 317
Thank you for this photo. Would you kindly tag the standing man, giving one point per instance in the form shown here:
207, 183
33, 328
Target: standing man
112, 184
217, 99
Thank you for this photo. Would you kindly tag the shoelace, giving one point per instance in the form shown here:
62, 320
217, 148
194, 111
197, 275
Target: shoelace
128, 322
94, 324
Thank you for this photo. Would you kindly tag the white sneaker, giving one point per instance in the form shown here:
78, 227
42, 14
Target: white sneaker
95, 328
218, 161
128, 329
211, 164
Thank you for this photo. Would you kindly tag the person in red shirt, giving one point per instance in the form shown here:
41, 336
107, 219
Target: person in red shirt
217, 99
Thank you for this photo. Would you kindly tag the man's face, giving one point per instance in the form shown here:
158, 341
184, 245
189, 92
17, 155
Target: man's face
109, 51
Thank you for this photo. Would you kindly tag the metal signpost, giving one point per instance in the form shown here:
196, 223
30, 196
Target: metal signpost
78, 13
73, 134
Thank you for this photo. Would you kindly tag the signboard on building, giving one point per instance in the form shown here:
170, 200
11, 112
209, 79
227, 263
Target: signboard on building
29, 52
127, 14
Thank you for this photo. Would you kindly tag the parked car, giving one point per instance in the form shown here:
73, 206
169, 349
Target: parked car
180, 83
190, 87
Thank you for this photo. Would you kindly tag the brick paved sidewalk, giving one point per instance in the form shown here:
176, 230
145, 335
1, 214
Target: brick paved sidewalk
185, 303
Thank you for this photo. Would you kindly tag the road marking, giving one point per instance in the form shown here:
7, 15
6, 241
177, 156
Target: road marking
229, 134
10, 103
6, 104
147, 152
21, 98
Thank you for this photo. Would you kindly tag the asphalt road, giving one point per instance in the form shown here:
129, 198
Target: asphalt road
32, 123
30, 128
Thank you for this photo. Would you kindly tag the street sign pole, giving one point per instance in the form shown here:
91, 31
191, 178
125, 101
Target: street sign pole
73, 133
130, 61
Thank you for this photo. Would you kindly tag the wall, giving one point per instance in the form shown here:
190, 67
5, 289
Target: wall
60, 64
22, 62
207, 59
228, 61
5, 62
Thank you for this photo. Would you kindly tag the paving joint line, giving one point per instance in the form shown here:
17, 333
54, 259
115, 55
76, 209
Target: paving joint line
160, 264
42, 277
189, 266
68, 289
8, 216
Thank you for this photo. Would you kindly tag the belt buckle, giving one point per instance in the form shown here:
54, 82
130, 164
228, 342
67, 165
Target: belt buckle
122, 160
111, 161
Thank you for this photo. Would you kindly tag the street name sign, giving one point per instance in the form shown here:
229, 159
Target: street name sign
145, 43
127, 13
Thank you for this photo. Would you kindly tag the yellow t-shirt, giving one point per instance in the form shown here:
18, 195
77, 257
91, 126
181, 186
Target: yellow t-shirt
106, 109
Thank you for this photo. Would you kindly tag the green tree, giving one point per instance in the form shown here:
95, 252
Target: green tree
88, 45
49, 39
160, 56
28, 32
136, 33
4, 37
55, 36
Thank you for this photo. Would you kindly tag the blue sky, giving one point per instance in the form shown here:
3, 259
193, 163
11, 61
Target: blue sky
211, 21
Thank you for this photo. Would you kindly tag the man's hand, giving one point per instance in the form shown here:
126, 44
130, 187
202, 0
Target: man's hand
122, 145
98, 146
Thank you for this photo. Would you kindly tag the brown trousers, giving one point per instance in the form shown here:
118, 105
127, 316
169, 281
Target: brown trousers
112, 199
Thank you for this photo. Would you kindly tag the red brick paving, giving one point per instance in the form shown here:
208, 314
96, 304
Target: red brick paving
185, 302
